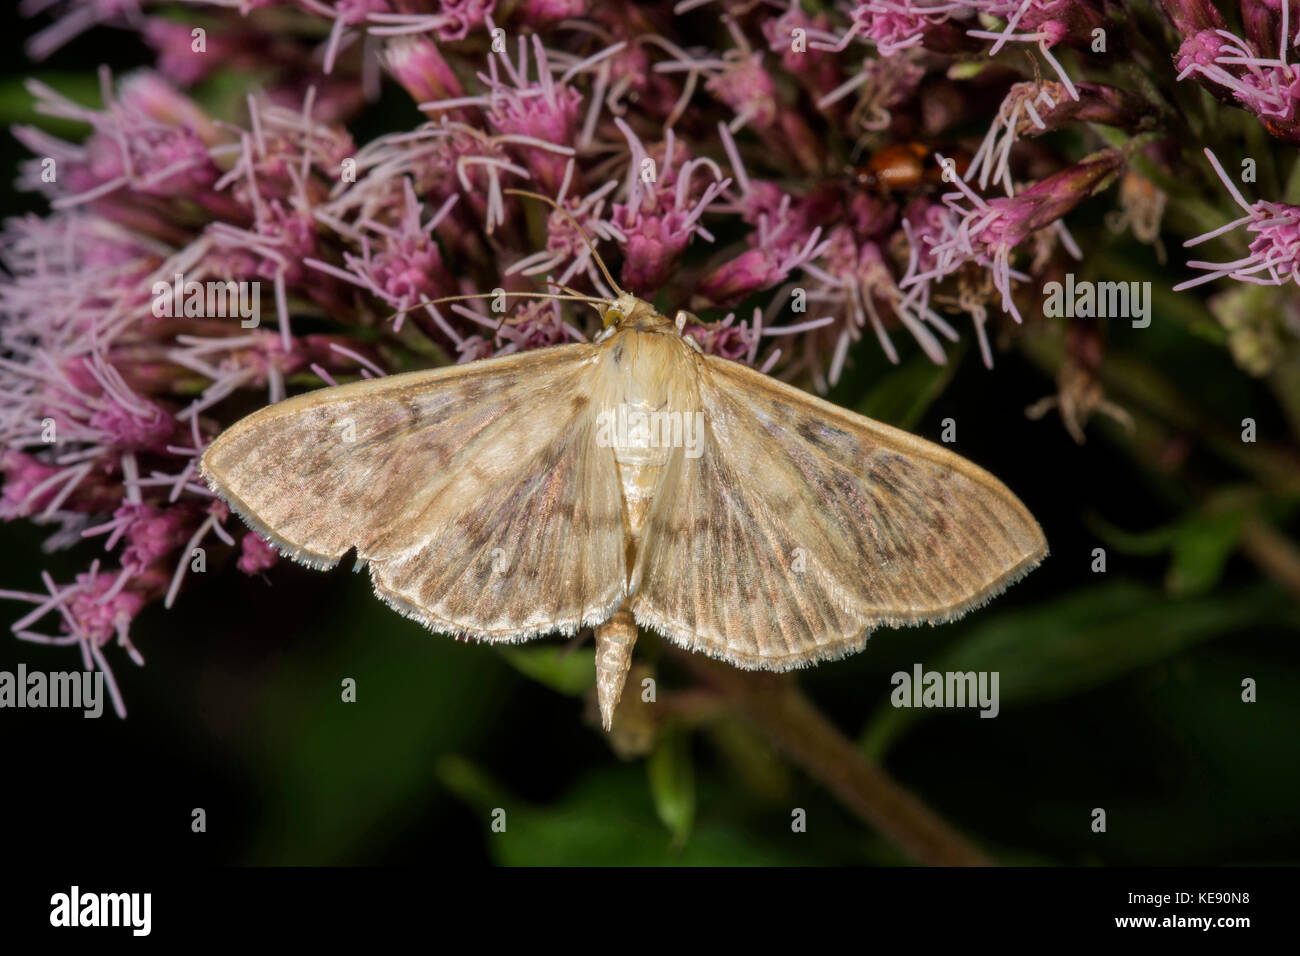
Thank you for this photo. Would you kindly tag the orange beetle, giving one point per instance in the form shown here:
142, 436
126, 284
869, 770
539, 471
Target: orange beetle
906, 167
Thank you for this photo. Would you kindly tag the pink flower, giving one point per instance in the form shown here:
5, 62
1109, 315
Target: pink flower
177, 58
151, 139
92, 611
536, 325
77, 16
255, 554
853, 280
544, 13
662, 210
1048, 23
151, 532
1031, 109
737, 278
894, 25
1274, 252
540, 117
400, 263
417, 64
1264, 84
816, 69
882, 84
732, 340
33, 487
747, 88
990, 232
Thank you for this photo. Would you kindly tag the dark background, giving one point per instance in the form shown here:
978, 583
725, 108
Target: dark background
1119, 691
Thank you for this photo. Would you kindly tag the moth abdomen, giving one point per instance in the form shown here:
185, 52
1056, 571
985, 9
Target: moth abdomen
615, 639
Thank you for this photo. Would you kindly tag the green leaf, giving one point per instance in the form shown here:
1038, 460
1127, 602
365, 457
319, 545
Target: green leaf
1073, 644
672, 783
469, 782
903, 395
752, 760
555, 665
18, 106
1201, 547
335, 775
224, 92
1143, 543
606, 819
1292, 193
1200, 544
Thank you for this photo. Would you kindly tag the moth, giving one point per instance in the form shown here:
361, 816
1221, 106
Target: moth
631, 481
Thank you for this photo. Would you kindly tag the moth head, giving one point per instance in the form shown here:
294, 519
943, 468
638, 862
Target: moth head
626, 306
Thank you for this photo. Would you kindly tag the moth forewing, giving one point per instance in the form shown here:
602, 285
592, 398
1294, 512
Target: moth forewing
475, 493
804, 526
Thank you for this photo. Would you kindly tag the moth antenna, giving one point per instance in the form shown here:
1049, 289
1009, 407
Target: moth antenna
496, 333
590, 300
559, 285
577, 225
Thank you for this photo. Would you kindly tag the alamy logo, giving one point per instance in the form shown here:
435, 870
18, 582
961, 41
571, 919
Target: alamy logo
79, 690
102, 909
208, 300
1098, 300
630, 427
923, 688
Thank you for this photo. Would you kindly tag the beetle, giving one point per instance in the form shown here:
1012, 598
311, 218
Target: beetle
907, 167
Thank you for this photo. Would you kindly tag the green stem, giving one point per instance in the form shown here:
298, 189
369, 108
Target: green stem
777, 707
1273, 554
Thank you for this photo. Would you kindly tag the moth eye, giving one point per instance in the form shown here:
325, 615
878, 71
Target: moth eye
613, 316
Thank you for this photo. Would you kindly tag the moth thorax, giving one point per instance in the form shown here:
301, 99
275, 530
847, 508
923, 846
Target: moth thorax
615, 639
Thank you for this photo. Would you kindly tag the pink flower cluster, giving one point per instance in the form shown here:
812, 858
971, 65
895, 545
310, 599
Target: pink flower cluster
718, 155
1254, 71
